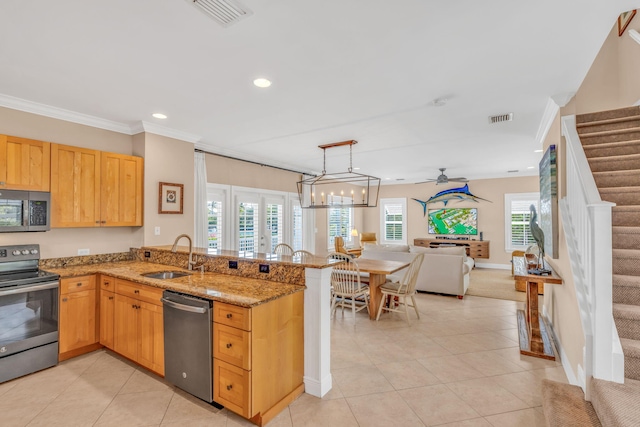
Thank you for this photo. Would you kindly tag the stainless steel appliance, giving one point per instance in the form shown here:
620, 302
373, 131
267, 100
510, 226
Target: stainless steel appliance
28, 313
187, 343
24, 211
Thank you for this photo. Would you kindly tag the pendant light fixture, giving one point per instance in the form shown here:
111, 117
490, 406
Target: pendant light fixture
343, 189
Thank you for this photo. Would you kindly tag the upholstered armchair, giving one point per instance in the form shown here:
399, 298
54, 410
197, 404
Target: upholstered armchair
368, 238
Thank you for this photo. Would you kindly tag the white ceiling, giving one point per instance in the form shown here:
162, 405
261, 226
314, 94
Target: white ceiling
341, 69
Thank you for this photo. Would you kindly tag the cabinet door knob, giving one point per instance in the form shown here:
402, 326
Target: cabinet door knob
110, 298
229, 387
229, 345
78, 284
106, 283
136, 291
229, 315
64, 300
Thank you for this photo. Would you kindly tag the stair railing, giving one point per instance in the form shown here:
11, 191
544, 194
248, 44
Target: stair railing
586, 221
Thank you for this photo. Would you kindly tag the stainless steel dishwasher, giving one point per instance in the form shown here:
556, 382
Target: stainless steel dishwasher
187, 343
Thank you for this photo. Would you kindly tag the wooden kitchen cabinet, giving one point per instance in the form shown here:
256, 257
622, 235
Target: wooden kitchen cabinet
24, 164
91, 188
258, 356
107, 307
138, 324
78, 327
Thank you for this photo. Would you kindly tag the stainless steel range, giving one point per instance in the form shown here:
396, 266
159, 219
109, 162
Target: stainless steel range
28, 313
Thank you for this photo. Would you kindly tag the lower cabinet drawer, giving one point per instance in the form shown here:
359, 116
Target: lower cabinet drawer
232, 345
77, 284
232, 387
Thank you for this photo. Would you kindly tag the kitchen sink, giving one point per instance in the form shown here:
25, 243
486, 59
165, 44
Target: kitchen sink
165, 274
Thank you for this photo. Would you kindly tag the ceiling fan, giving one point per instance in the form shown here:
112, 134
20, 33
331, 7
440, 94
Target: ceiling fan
443, 179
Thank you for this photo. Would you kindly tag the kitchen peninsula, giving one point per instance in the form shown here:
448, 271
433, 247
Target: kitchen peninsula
272, 304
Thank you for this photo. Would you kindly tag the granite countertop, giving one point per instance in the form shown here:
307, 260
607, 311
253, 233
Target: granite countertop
241, 291
311, 262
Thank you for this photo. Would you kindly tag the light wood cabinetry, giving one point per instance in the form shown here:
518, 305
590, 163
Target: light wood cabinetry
138, 325
107, 307
91, 188
78, 326
475, 248
258, 356
24, 164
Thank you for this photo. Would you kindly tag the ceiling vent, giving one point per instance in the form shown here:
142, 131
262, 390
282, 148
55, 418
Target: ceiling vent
224, 12
501, 118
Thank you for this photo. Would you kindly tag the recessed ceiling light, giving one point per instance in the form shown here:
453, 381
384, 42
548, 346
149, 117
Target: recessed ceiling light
356, 169
512, 171
159, 116
262, 82
531, 167
537, 151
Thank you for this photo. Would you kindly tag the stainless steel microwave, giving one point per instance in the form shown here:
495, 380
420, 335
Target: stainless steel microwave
24, 211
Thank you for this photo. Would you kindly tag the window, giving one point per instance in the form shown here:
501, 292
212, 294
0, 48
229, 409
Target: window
517, 217
274, 222
393, 214
340, 224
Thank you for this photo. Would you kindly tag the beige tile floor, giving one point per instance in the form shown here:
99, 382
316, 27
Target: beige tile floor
459, 365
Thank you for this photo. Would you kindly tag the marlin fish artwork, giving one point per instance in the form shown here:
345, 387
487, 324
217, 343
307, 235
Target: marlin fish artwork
461, 193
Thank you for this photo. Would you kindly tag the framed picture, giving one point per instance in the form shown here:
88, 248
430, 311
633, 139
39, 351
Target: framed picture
624, 19
170, 198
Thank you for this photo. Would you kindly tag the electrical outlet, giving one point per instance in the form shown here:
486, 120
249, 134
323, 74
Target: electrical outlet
264, 268
156, 231
233, 264
84, 251
147, 254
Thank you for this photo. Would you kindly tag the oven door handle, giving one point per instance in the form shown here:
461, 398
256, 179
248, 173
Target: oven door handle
24, 289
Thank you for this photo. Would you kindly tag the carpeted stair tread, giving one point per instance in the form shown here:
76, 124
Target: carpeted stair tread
626, 289
626, 311
624, 126
631, 350
626, 261
625, 237
621, 195
614, 163
589, 141
625, 216
621, 148
564, 405
620, 178
616, 404
600, 116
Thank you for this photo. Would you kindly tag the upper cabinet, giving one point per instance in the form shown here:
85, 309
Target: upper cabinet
91, 188
24, 164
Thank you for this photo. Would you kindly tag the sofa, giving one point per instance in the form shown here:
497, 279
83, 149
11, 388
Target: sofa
444, 270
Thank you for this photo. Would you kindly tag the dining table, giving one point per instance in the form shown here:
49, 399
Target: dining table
378, 270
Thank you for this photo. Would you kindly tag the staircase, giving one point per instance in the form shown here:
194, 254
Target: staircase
611, 142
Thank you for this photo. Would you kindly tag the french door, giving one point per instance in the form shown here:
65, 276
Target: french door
260, 222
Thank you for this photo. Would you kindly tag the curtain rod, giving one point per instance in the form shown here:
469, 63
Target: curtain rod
252, 162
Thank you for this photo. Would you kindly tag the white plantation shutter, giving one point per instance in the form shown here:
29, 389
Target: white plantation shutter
393, 221
517, 217
340, 224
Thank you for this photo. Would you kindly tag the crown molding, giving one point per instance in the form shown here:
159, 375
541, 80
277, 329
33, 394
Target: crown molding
155, 129
549, 115
62, 114
634, 35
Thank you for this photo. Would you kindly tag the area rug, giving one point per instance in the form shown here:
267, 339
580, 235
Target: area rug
494, 283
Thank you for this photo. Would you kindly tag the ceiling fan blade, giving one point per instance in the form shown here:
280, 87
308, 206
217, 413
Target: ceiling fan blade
459, 179
428, 180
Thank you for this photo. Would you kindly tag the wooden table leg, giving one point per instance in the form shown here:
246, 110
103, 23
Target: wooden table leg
375, 296
534, 339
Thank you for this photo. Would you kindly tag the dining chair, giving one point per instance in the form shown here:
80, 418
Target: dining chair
405, 288
302, 254
346, 289
339, 245
283, 249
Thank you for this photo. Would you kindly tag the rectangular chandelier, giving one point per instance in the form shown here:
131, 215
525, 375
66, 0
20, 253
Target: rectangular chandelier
343, 189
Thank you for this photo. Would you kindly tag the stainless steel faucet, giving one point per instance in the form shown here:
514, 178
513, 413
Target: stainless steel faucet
174, 249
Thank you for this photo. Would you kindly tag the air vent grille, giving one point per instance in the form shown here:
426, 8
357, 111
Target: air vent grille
224, 12
501, 118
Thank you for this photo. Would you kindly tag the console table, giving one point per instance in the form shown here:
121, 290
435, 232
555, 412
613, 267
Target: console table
475, 248
532, 329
